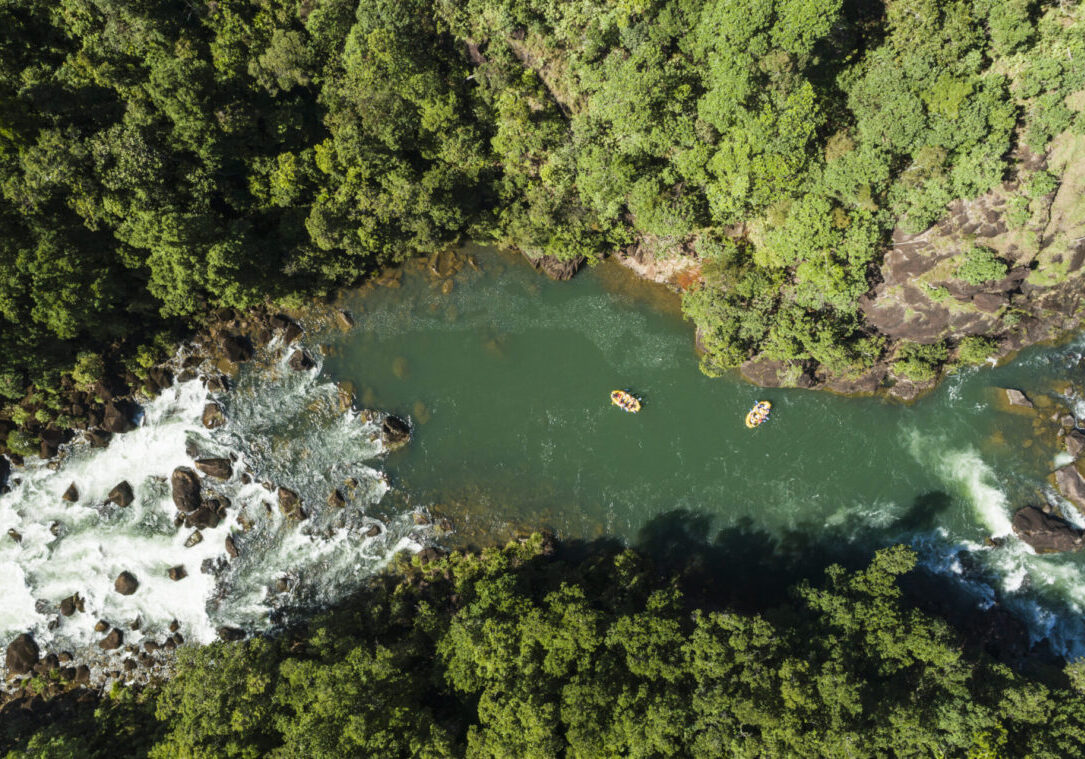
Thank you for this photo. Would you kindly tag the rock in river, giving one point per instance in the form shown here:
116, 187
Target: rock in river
1071, 485
186, 489
213, 416
395, 433
121, 495
221, 469
1075, 443
290, 504
300, 361
22, 655
71, 495
1046, 533
1017, 398
177, 573
126, 583
114, 640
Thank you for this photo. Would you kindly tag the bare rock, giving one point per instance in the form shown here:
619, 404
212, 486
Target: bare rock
395, 433
1046, 533
290, 504
113, 641
1071, 484
126, 583
116, 418
71, 495
22, 655
1075, 443
220, 469
121, 495
1018, 398
236, 348
213, 417
185, 484
301, 361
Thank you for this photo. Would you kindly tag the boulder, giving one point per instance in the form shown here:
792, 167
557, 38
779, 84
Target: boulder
126, 583
236, 348
101, 626
292, 332
177, 573
15, 535
220, 469
1046, 533
300, 361
22, 655
82, 675
99, 438
194, 539
115, 418
1017, 398
1075, 443
373, 531
344, 319
230, 633
121, 495
113, 641
185, 484
1071, 485
212, 416
395, 433
336, 500
290, 504
208, 515
231, 547
71, 495
280, 321
71, 605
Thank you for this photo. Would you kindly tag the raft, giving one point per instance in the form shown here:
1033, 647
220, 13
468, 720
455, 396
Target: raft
759, 414
625, 401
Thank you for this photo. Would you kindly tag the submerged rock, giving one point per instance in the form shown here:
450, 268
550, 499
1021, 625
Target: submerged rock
1017, 398
121, 495
220, 469
185, 485
1046, 533
22, 655
126, 583
213, 417
395, 433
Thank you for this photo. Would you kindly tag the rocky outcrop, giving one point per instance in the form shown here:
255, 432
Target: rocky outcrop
22, 655
290, 504
1071, 484
236, 348
395, 433
126, 584
121, 495
212, 416
220, 469
1017, 398
71, 495
185, 484
1045, 532
300, 361
116, 418
556, 268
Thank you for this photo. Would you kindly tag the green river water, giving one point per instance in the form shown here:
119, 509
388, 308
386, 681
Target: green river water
506, 382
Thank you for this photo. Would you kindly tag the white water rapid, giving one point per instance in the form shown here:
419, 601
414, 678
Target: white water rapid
284, 428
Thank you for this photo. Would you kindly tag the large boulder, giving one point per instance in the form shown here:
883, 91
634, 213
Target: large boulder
395, 433
22, 655
126, 583
115, 418
186, 489
121, 495
300, 361
290, 504
113, 641
71, 495
1071, 484
236, 348
212, 416
1046, 533
1017, 398
220, 469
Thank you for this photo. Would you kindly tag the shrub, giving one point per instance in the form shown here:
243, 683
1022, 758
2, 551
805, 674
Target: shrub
88, 370
1018, 212
981, 265
975, 349
918, 362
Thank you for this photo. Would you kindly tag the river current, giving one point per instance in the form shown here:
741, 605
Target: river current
505, 378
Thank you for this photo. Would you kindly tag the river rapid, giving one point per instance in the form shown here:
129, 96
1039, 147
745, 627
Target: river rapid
504, 376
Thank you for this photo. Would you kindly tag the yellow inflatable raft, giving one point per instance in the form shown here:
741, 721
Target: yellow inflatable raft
759, 414
625, 401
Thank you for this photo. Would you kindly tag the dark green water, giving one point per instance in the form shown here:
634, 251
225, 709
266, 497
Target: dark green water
506, 381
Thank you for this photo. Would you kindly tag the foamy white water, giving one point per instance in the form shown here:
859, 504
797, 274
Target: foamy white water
284, 428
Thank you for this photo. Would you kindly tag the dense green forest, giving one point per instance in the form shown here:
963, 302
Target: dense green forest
519, 652
159, 158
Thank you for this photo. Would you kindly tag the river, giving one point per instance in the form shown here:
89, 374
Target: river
505, 379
